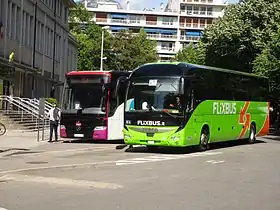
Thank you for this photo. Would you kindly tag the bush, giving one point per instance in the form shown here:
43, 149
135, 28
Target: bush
51, 100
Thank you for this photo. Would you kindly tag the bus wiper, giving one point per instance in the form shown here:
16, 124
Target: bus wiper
170, 115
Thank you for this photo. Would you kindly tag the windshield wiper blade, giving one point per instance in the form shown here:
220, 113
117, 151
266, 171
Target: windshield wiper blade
169, 115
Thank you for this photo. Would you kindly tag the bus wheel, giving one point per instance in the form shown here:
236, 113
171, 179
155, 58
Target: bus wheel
252, 136
204, 140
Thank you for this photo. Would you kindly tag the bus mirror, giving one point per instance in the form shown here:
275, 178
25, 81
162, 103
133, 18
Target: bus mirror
105, 87
181, 86
120, 81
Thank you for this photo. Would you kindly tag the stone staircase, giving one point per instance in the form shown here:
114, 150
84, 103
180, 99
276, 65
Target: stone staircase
22, 115
25, 122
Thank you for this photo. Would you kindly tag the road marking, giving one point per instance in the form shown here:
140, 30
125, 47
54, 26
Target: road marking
153, 158
1, 208
215, 161
157, 158
91, 149
61, 181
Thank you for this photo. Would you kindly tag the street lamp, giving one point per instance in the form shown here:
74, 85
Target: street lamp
102, 46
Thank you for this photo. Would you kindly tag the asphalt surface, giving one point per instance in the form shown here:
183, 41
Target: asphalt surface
97, 176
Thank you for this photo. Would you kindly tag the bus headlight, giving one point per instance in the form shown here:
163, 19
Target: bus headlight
175, 138
127, 136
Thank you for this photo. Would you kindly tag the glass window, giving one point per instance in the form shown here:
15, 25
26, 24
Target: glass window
154, 95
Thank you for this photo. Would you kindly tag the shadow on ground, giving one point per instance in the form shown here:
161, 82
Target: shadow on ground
186, 150
90, 141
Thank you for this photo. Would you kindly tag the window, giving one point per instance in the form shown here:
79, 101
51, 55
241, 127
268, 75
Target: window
209, 10
134, 19
13, 26
189, 10
183, 8
167, 20
18, 23
202, 10
195, 10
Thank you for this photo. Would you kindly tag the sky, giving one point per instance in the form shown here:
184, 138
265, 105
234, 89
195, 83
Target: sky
141, 4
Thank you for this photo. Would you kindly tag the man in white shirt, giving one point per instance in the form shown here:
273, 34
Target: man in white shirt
54, 116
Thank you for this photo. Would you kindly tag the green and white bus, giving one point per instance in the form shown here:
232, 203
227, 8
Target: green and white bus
182, 104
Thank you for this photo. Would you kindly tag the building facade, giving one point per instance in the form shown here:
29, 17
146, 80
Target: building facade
36, 49
173, 27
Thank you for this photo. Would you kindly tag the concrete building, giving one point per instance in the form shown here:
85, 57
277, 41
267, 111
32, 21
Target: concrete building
173, 27
32, 56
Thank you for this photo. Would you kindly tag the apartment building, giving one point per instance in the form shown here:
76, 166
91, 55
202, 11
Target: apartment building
36, 48
176, 24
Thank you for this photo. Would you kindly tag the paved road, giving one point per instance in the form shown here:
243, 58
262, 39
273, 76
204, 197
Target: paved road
97, 176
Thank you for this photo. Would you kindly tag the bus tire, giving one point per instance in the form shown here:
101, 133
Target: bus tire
252, 135
204, 139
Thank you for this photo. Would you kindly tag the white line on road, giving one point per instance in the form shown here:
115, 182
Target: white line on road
153, 158
61, 181
156, 158
215, 161
90, 149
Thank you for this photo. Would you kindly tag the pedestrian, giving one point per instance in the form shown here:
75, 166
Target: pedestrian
54, 116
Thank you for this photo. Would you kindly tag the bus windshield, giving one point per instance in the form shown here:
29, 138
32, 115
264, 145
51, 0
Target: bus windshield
154, 95
82, 96
84, 93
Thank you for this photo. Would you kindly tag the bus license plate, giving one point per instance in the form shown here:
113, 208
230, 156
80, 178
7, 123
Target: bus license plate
78, 135
151, 142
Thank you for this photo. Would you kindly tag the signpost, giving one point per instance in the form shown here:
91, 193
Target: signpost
41, 114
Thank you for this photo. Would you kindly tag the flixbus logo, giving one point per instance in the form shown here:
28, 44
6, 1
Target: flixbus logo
224, 108
149, 122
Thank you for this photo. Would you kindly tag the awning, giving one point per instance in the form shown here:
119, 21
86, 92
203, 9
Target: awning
167, 31
193, 33
119, 16
114, 28
151, 30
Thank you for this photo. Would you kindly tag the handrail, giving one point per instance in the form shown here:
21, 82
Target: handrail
47, 104
21, 106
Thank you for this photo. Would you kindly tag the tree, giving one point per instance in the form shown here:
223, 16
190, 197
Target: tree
267, 63
89, 36
133, 50
191, 54
235, 40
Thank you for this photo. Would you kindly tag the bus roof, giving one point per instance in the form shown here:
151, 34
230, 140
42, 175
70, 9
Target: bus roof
188, 66
94, 72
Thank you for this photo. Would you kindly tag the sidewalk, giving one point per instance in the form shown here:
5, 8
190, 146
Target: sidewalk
14, 141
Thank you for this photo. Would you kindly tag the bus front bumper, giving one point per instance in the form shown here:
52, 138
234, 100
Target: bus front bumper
169, 138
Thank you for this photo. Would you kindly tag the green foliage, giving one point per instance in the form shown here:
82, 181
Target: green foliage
241, 34
191, 54
89, 36
51, 100
125, 51
267, 63
133, 50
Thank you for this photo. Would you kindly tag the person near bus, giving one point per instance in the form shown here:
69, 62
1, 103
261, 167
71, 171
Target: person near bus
54, 116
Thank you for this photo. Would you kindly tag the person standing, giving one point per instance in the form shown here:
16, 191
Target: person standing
54, 116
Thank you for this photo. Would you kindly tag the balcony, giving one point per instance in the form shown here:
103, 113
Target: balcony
123, 21
189, 38
101, 20
194, 13
204, 2
162, 49
194, 25
161, 36
151, 22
